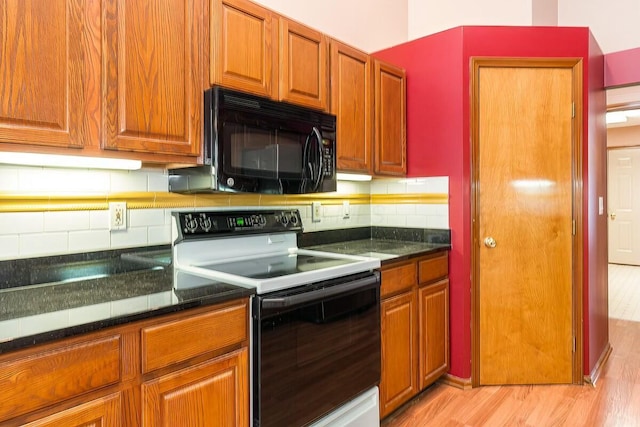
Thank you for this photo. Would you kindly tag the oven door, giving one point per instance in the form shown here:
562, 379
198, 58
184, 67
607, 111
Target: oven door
315, 348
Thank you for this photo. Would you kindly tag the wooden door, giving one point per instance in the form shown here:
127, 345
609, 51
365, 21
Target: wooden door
624, 206
352, 103
101, 412
153, 76
303, 70
433, 316
390, 118
244, 47
398, 382
213, 393
524, 158
50, 72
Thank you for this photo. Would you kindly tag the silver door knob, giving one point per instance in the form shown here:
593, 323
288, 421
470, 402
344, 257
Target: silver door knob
490, 242
612, 215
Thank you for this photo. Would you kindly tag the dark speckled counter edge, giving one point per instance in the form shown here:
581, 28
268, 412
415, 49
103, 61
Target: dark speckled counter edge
45, 337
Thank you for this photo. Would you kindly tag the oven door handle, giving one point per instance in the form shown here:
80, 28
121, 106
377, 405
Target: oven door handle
323, 293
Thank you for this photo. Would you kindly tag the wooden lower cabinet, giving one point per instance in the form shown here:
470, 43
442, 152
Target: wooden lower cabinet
398, 381
101, 412
414, 325
433, 307
214, 393
120, 376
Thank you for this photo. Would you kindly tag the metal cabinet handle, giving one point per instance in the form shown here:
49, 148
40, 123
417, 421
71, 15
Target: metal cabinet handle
490, 242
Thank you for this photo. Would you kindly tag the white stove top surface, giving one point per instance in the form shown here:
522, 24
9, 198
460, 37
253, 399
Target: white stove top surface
276, 271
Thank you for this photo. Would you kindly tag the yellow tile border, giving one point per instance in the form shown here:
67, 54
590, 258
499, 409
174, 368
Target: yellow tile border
410, 199
162, 200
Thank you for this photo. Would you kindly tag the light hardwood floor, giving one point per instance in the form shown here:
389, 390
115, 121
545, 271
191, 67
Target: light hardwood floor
614, 401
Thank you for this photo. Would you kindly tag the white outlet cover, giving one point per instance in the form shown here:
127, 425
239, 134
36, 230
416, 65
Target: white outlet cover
117, 215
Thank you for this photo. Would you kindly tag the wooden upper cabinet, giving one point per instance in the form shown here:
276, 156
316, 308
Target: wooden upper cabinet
390, 120
49, 72
153, 75
303, 65
352, 103
244, 47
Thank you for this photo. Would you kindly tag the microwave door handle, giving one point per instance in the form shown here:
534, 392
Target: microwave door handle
320, 160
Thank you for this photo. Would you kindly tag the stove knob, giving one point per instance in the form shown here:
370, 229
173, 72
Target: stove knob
205, 222
191, 224
284, 219
294, 219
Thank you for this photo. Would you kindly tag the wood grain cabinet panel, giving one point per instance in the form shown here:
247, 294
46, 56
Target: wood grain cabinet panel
303, 65
414, 319
42, 379
49, 72
433, 306
397, 278
352, 103
153, 75
101, 412
398, 381
433, 268
244, 47
179, 340
390, 120
214, 393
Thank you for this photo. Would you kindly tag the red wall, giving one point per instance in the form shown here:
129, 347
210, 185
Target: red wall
596, 293
622, 68
438, 143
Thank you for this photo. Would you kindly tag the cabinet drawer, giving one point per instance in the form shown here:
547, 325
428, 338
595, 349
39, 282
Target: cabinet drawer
41, 379
434, 268
395, 279
180, 340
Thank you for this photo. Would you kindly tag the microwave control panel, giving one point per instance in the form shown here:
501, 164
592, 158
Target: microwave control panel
328, 150
209, 224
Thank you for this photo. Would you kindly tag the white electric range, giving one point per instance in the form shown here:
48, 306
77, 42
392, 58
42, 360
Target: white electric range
315, 327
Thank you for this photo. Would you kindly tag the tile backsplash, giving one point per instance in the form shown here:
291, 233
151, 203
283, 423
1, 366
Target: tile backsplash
43, 233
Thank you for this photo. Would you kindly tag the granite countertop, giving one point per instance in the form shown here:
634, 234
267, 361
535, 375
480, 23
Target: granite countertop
387, 251
42, 312
44, 299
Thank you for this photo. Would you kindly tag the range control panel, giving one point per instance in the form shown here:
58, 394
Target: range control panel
211, 224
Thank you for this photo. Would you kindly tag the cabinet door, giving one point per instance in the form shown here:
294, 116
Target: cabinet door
399, 377
50, 72
303, 70
153, 76
390, 139
434, 331
213, 393
244, 47
102, 412
351, 102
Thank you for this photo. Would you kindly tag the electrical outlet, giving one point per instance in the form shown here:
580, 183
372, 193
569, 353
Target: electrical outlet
117, 215
346, 211
316, 211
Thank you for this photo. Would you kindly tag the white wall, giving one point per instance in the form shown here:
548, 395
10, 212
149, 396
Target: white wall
614, 24
369, 25
431, 16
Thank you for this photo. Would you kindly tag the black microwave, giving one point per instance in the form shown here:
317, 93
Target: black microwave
257, 145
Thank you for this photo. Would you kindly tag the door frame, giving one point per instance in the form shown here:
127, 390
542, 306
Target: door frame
575, 64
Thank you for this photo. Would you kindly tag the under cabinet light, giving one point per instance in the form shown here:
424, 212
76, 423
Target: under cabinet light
613, 117
352, 177
63, 161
